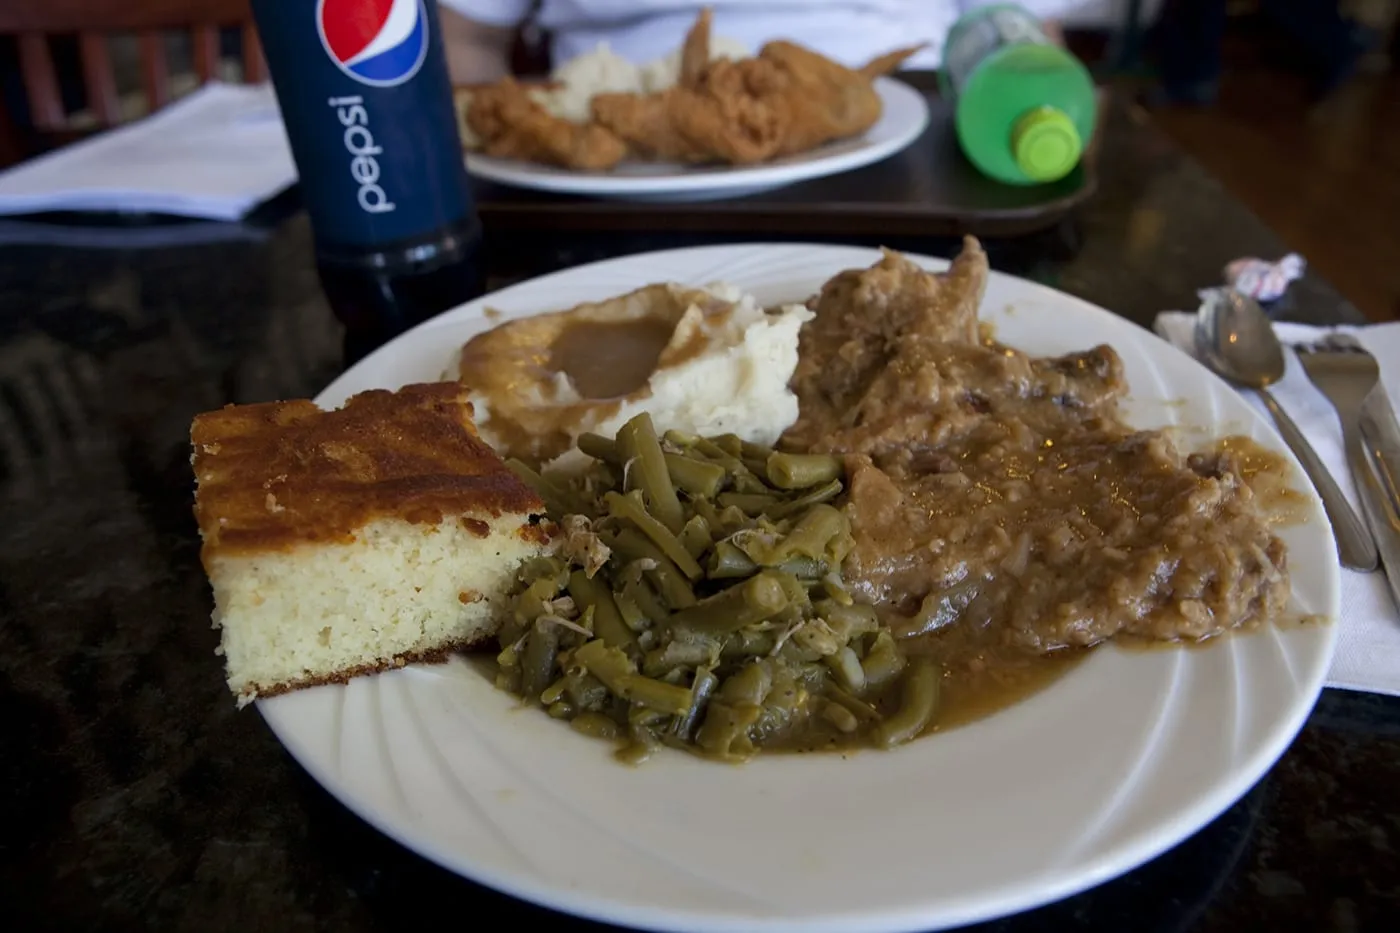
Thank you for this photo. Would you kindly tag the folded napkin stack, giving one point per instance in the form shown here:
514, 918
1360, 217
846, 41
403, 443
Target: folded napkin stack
1368, 647
216, 153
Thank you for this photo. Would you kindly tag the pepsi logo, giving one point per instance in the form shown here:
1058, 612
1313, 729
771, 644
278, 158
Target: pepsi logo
377, 42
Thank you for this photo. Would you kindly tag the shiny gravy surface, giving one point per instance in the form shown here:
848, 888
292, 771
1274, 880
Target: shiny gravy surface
1006, 519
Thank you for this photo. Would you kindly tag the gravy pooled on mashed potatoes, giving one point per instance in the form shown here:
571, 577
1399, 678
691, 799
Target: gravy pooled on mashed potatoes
705, 361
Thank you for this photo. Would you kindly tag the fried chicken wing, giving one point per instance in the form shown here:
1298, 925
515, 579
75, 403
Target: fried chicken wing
695, 53
511, 125
825, 100
885, 64
733, 114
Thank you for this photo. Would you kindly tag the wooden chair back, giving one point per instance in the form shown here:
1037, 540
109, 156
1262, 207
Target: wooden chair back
94, 22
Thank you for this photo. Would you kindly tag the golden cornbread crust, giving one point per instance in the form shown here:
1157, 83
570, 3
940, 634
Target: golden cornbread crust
430, 656
278, 474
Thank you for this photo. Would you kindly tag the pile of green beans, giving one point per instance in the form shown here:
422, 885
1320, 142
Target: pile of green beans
717, 621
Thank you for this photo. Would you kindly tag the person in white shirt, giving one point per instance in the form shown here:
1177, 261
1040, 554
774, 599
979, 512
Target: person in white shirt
477, 33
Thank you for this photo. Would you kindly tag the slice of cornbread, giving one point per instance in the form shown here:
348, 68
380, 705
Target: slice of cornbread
347, 542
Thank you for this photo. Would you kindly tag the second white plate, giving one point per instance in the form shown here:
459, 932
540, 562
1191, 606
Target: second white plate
904, 117
1120, 759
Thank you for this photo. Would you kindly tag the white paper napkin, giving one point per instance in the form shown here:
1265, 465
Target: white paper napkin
216, 153
1368, 645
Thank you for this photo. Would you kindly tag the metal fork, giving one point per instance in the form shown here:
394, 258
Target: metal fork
1345, 373
1349, 376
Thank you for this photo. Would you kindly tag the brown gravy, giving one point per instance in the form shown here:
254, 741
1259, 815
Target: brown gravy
1005, 518
609, 359
608, 351
1268, 476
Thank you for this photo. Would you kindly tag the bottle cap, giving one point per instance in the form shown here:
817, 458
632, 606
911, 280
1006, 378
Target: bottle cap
1045, 144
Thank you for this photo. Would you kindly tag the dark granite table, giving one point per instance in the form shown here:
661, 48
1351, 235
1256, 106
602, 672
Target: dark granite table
135, 796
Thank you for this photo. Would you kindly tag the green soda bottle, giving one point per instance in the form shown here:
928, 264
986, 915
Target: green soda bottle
1025, 108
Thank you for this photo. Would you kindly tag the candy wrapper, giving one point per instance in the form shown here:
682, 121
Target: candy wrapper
1264, 281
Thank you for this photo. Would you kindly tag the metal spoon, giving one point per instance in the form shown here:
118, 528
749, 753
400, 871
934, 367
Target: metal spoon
1235, 338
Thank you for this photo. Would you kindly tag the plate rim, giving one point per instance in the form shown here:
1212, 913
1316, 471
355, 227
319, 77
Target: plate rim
1026, 893
519, 174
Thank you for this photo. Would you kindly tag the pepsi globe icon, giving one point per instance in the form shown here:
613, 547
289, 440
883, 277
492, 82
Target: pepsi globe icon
384, 50
367, 103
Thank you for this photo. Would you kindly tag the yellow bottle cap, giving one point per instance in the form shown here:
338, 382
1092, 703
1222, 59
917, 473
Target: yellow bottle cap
1045, 144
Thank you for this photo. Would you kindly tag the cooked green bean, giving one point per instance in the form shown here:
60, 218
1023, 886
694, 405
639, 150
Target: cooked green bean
671, 584
629, 508
840, 717
696, 477
846, 667
607, 621
600, 448
814, 536
632, 615
882, 662
751, 503
750, 684
657, 695
815, 497
681, 438
555, 691
596, 725
585, 690
725, 731
700, 692
616, 671
848, 621
801, 471
740, 476
641, 595
534, 601
833, 587
731, 444
754, 451
640, 449
702, 506
556, 500
695, 537
806, 568
749, 642
918, 704
731, 609
537, 660
727, 562
717, 621
676, 655
858, 707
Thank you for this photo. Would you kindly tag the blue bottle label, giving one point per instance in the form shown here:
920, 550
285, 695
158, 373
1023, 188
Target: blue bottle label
982, 32
367, 103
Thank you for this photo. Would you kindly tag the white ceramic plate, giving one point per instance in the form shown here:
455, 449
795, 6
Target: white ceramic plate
1112, 764
904, 117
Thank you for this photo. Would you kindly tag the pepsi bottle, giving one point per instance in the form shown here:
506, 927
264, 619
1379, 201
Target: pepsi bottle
367, 103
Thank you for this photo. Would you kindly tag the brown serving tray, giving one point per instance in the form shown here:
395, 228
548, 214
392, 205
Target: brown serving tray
929, 189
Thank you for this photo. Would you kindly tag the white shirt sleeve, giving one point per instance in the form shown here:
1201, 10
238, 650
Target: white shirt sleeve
1040, 9
491, 12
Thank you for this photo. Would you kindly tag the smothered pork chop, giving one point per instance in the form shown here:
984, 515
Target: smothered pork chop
998, 503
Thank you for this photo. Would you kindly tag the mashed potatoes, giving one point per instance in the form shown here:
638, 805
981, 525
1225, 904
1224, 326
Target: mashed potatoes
705, 361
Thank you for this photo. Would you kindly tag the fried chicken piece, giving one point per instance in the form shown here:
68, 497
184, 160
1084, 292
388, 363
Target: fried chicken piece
733, 114
882, 65
695, 52
511, 125
826, 100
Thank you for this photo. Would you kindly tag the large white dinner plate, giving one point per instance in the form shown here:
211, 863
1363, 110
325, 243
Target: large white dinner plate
1117, 761
903, 118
